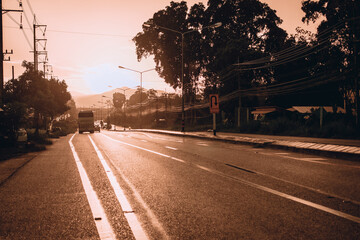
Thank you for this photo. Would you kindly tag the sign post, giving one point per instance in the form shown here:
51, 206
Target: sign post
214, 109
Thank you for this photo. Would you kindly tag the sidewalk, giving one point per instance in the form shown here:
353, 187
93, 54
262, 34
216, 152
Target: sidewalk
341, 148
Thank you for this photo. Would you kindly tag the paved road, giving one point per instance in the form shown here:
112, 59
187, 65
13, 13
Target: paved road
168, 187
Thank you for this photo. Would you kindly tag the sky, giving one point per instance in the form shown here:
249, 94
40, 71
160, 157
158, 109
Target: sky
88, 40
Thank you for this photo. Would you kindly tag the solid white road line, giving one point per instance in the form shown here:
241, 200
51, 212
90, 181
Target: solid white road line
254, 185
134, 224
102, 224
287, 196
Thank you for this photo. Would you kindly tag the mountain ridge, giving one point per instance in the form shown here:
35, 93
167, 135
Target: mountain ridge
98, 99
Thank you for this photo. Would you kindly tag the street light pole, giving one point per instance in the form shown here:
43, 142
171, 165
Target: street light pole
125, 106
141, 73
182, 85
216, 25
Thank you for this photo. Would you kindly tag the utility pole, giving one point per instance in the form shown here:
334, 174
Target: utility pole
239, 99
3, 11
356, 40
36, 40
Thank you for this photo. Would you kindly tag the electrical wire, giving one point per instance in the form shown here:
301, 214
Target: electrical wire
26, 37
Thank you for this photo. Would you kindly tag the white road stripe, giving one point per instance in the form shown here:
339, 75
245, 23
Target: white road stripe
154, 221
143, 140
135, 225
172, 148
203, 144
263, 188
287, 196
102, 224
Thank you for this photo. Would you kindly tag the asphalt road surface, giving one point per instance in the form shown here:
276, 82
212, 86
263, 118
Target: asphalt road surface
144, 185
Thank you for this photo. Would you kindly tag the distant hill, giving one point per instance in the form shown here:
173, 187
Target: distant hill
96, 99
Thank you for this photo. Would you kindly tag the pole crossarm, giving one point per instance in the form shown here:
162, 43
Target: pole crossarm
10, 10
121, 67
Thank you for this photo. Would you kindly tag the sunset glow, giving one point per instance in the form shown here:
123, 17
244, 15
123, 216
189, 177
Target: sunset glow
87, 40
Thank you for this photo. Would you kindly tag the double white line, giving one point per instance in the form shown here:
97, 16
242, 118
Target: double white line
102, 224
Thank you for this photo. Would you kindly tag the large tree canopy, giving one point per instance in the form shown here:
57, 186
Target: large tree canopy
339, 34
248, 26
36, 93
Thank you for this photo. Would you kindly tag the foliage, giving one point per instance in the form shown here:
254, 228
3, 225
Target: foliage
118, 100
340, 32
249, 30
32, 94
137, 96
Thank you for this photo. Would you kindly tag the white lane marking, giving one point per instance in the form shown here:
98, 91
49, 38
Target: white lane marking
311, 160
102, 224
131, 145
149, 136
203, 144
254, 185
143, 140
135, 225
309, 188
287, 196
283, 153
154, 221
172, 148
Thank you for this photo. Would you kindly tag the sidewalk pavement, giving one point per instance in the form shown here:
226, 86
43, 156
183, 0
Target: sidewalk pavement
340, 148
10, 166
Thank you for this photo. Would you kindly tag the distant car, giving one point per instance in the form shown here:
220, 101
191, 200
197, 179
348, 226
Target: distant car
21, 135
97, 127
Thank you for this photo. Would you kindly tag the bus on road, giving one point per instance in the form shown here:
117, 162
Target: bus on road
86, 121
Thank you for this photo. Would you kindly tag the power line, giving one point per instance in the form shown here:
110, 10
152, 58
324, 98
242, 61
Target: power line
26, 37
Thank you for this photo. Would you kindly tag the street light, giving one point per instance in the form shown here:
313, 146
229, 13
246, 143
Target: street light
125, 89
150, 24
141, 72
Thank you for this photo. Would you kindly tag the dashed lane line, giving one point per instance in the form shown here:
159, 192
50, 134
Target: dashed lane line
254, 185
311, 160
102, 224
172, 148
134, 224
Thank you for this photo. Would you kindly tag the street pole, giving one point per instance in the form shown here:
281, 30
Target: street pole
182, 84
1, 59
216, 25
35, 50
140, 72
140, 98
214, 124
2, 52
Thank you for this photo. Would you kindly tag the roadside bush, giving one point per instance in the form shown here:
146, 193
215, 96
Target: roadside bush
40, 138
66, 127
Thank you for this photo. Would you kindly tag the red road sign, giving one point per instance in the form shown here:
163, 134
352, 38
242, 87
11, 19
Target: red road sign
214, 103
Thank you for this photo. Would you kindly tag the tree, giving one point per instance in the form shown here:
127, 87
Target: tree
118, 100
166, 45
135, 98
339, 34
59, 97
249, 30
38, 95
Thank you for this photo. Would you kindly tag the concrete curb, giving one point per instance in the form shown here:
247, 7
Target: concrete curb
328, 150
